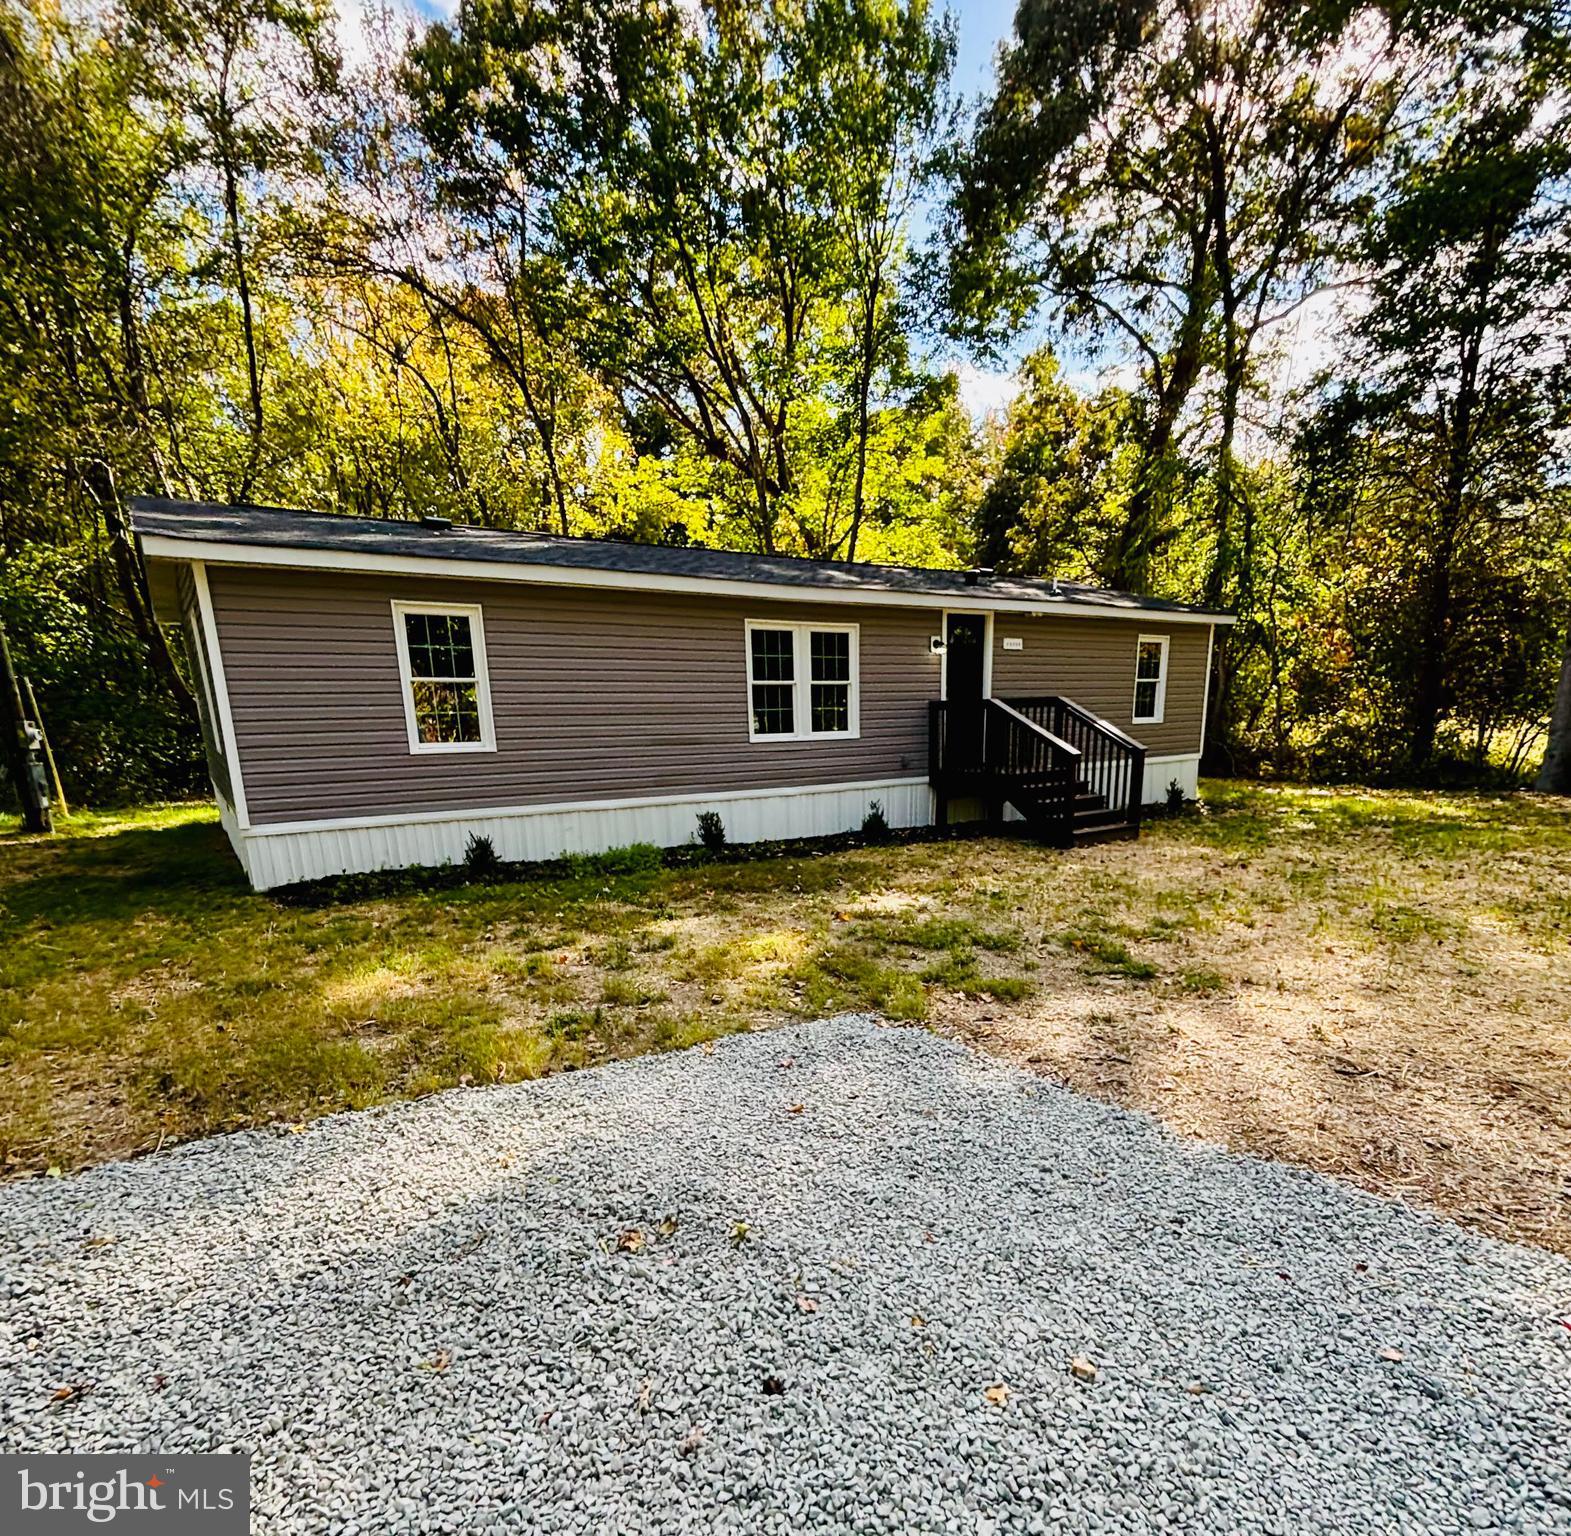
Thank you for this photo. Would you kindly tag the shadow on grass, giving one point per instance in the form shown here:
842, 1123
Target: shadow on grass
184, 870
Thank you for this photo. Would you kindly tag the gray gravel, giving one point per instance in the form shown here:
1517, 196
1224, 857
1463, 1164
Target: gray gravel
419, 1318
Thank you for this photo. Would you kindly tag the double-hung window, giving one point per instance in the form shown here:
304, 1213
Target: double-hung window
801, 681
441, 658
1150, 679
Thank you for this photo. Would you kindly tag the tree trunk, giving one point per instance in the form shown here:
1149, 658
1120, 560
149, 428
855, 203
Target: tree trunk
1554, 778
131, 579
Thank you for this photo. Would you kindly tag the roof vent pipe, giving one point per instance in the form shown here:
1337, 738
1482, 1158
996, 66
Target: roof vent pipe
1056, 592
436, 524
979, 573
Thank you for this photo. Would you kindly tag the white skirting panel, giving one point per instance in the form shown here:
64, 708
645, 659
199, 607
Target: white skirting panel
231, 824
1161, 771
303, 851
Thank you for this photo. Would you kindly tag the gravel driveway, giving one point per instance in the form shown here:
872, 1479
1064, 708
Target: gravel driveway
866, 1260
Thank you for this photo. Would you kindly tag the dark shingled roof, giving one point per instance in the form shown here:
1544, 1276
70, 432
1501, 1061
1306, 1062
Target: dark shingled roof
282, 528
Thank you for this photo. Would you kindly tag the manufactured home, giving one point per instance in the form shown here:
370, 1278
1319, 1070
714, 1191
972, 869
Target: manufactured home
373, 693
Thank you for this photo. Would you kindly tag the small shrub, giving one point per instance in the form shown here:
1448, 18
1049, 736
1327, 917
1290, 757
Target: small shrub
634, 859
711, 830
875, 825
1175, 797
480, 855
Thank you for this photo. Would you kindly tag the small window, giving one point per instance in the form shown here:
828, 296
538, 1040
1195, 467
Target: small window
1150, 679
801, 681
447, 699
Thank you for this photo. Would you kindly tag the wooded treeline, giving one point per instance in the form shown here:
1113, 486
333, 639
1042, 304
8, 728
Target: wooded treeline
1292, 281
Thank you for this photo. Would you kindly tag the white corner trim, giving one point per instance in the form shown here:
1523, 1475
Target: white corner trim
284, 853
1205, 686
226, 723
482, 678
156, 546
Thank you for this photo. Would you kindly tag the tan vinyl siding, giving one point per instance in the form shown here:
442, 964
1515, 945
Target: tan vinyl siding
595, 695
1092, 661
192, 635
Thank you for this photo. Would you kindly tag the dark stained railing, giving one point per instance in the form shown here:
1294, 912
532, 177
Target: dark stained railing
1042, 755
999, 755
1033, 767
1112, 764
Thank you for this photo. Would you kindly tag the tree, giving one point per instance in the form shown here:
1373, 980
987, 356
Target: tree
1555, 776
681, 209
1464, 337
1055, 504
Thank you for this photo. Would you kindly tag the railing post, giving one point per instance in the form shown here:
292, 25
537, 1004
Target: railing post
1137, 786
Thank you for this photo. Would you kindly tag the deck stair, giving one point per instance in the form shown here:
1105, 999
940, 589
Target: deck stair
1069, 775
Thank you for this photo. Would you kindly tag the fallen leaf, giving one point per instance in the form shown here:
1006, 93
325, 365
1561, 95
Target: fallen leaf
101, 1242
53, 1172
796, 1109
1082, 1369
997, 1394
740, 1233
646, 1396
631, 1241
786, 1061
668, 1226
71, 1390
806, 1304
1393, 1355
1198, 1388
691, 1441
438, 1362
918, 1321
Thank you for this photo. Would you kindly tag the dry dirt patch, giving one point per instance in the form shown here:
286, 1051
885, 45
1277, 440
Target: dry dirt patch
1376, 985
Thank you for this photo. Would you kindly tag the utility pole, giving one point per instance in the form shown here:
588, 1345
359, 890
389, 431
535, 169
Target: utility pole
22, 738
36, 716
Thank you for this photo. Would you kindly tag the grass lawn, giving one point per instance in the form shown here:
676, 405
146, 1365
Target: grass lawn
1373, 984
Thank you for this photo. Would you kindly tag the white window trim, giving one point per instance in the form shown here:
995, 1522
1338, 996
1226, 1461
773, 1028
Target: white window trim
801, 679
1156, 717
470, 611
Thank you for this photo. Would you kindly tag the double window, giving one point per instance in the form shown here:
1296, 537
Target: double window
1150, 679
441, 656
801, 681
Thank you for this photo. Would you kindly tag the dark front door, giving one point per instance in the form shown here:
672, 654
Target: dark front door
965, 658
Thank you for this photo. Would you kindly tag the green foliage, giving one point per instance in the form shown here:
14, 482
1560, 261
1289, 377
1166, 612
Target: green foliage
480, 856
469, 276
711, 830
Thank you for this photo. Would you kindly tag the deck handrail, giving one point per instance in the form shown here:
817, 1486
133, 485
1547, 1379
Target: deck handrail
1073, 753
1105, 726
